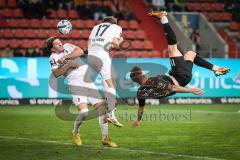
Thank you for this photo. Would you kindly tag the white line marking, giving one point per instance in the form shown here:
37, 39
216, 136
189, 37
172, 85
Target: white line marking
107, 148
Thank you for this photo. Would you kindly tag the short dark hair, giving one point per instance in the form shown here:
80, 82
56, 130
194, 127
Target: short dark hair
136, 74
49, 43
110, 19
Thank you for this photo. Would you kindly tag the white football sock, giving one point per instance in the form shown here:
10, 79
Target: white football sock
110, 94
79, 119
104, 126
164, 20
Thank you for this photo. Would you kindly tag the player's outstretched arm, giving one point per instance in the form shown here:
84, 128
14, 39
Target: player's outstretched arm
77, 52
180, 89
63, 70
137, 122
117, 41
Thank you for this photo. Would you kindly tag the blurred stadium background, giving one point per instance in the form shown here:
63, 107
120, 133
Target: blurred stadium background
211, 27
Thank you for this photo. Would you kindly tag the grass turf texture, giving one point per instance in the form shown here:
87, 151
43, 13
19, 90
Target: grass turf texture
186, 132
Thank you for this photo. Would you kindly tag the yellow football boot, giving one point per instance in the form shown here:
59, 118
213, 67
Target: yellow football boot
76, 139
221, 71
156, 14
108, 142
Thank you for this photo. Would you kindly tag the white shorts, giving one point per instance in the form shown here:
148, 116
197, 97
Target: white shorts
102, 64
83, 92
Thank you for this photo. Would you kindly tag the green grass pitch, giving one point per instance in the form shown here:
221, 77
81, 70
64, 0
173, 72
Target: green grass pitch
179, 132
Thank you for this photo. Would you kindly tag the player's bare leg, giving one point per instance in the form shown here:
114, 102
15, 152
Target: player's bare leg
171, 38
83, 113
192, 56
111, 100
199, 61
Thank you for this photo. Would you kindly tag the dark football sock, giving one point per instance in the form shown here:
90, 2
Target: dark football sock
170, 35
199, 61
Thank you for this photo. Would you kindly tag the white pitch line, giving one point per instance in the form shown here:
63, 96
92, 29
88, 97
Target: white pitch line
107, 148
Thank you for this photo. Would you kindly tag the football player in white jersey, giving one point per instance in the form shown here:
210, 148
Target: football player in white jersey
103, 37
65, 60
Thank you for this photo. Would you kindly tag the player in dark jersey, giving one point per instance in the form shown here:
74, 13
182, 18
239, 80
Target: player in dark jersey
179, 75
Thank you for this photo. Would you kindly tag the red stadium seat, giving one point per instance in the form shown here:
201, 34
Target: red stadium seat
3, 43
98, 22
17, 13
53, 13
7, 13
46, 23
123, 24
62, 13
83, 44
12, 3
13, 23
20, 33
30, 33
129, 34
89, 24
218, 7
190, 7
38, 43
133, 24
227, 16
234, 26
140, 35
232, 50
206, 7
197, 7
73, 14
75, 34
42, 33
14, 43
144, 54
137, 45
156, 54
26, 43
78, 24
35, 23
8, 33
85, 34
4, 23
2, 4
52, 32
55, 22
134, 54
148, 45
24, 23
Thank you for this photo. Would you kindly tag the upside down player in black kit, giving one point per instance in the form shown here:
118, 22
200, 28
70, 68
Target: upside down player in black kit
179, 75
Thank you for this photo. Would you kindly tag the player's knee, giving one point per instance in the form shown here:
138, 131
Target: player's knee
172, 49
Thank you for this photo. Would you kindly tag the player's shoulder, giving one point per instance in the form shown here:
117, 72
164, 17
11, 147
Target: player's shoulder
68, 45
53, 56
117, 26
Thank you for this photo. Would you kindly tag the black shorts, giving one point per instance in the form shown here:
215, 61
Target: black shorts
181, 70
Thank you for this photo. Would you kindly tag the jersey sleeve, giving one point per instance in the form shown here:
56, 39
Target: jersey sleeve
118, 32
69, 48
141, 102
53, 61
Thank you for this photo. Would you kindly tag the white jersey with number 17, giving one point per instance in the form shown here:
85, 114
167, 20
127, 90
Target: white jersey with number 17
101, 38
